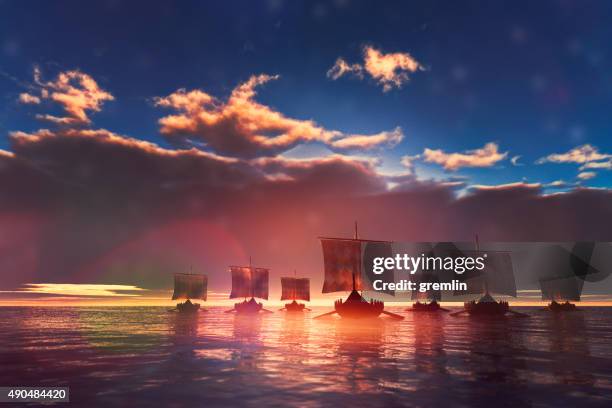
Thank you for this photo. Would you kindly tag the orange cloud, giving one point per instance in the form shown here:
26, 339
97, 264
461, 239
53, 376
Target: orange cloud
580, 154
75, 289
241, 126
27, 98
341, 67
486, 156
389, 70
74, 90
586, 175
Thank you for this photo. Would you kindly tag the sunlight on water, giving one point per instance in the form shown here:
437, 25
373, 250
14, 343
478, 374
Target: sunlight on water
147, 355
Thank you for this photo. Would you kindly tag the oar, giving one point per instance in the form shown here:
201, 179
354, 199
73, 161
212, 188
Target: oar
518, 314
230, 311
280, 310
325, 314
308, 309
266, 310
172, 310
455, 314
393, 315
444, 310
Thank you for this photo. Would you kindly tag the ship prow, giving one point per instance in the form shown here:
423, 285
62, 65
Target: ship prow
426, 307
250, 306
295, 307
356, 307
566, 306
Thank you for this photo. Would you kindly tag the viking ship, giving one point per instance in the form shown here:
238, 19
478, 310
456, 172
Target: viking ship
562, 274
189, 286
248, 281
294, 289
496, 278
343, 262
428, 301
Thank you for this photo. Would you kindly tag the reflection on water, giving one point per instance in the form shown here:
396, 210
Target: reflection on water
150, 357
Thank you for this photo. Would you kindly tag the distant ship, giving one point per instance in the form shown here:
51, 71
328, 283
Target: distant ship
428, 301
563, 272
248, 281
343, 260
189, 286
497, 277
294, 289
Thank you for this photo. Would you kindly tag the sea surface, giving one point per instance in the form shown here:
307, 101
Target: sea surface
148, 357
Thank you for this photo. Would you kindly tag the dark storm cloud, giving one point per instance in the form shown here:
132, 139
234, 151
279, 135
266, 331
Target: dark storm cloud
84, 192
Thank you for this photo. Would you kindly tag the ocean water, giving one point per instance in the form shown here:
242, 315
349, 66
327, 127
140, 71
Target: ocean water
147, 357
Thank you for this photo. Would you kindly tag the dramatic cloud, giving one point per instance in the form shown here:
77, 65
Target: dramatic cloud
586, 175
486, 156
92, 206
388, 70
242, 127
588, 156
75, 91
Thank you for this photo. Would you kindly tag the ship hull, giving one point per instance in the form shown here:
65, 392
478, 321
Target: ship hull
248, 307
356, 307
294, 307
561, 307
496, 309
188, 307
430, 307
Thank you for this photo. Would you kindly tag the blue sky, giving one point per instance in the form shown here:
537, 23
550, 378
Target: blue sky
535, 78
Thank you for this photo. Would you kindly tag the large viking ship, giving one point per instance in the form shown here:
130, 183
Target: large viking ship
249, 282
295, 289
343, 261
189, 286
496, 278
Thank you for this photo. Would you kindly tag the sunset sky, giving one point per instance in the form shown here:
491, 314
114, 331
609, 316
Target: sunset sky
138, 139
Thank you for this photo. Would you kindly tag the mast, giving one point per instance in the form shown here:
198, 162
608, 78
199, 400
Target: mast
356, 238
485, 280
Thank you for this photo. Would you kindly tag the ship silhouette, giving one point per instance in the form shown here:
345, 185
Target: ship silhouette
497, 277
294, 289
563, 273
343, 260
428, 301
189, 286
249, 281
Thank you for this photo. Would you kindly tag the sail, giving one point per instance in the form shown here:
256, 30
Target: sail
344, 259
295, 289
560, 274
569, 288
342, 262
188, 286
249, 282
496, 277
